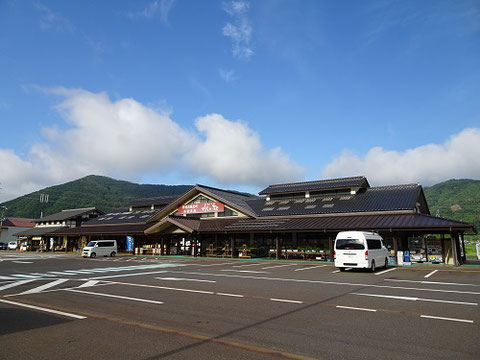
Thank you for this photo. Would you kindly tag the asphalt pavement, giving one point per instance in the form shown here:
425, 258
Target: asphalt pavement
61, 306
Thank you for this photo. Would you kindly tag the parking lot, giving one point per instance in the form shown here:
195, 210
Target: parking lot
64, 306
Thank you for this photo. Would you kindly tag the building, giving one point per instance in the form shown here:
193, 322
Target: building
294, 220
41, 236
10, 226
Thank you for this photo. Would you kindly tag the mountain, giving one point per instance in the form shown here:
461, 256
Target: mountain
103, 192
456, 199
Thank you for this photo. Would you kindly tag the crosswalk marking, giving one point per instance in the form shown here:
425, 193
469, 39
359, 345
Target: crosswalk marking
89, 283
16, 283
44, 287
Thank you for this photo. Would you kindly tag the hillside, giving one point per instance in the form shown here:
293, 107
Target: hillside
103, 192
456, 199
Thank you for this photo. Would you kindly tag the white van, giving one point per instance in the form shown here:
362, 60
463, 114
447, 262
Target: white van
359, 249
100, 248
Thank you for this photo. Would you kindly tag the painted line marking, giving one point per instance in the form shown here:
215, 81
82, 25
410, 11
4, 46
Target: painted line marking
118, 297
237, 266
287, 301
277, 266
311, 267
22, 262
125, 275
16, 283
23, 276
409, 298
89, 283
248, 271
43, 309
184, 290
44, 287
232, 295
336, 271
210, 264
324, 282
445, 318
355, 308
6, 278
58, 273
430, 274
431, 282
185, 279
385, 271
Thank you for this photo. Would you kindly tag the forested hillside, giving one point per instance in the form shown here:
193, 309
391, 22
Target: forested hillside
100, 191
456, 199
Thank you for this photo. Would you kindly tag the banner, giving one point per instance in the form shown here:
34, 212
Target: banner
208, 207
129, 243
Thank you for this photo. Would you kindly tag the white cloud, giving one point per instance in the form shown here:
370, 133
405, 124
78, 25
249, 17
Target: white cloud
53, 20
228, 75
126, 139
458, 157
161, 7
240, 31
232, 154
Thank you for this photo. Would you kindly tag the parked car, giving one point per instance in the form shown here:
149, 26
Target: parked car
3, 246
12, 245
360, 249
100, 248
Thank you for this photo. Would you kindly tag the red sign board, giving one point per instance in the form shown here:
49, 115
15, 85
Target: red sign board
208, 207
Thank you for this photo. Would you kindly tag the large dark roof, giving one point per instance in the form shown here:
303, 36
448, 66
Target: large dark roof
157, 201
384, 198
67, 214
123, 216
360, 222
349, 182
39, 231
120, 229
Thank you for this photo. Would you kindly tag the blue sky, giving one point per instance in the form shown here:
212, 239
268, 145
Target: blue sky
238, 94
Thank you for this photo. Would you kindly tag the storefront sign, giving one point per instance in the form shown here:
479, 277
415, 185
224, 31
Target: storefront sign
208, 207
129, 243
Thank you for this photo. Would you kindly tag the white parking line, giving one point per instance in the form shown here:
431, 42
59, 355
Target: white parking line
237, 266
277, 266
118, 297
410, 298
336, 271
22, 262
248, 271
445, 318
232, 295
44, 287
385, 271
125, 275
431, 282
43, 309
355, 308
89, 283
287, 301
184, 279
311, 267
430, 274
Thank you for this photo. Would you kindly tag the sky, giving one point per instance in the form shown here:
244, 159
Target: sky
238, 94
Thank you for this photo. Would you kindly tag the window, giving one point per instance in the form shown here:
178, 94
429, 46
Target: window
289, 196
349, 244
227, 212
374, 244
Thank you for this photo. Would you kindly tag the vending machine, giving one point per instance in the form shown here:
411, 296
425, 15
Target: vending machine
434, 250
416, 245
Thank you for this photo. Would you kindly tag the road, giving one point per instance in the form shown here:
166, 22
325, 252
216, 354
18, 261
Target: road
66, 307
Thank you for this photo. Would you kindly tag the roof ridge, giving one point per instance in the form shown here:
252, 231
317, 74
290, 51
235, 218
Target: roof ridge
394, 186
227, 191
317, 181
84, 208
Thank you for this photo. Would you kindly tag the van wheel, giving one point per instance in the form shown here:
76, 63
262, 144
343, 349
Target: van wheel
386, 262
341, 269
372, 268
112, 254
92, 255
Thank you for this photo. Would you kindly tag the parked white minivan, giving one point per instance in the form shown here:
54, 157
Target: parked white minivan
100, 248
359, 249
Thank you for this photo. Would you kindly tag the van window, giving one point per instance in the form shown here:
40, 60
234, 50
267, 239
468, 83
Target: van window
105, 243
374, 244
91, 244
350, 244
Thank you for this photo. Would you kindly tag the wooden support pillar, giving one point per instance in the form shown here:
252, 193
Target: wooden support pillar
453, 241
330, 247
277, 247
195, 246
162, 244
252, 239
464, 257
395, 247
232, 245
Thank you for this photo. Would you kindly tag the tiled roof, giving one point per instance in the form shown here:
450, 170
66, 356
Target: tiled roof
67, 214
235, 198
359, 222
352, 182
39, 231
158, 201
120, 229
123, 216
385, 198
18, 222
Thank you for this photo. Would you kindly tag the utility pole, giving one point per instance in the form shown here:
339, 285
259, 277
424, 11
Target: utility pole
43, 200
4, 209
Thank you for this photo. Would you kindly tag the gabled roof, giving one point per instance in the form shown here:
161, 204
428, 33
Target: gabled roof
120, 229
372, 199
234, 199
189, 225
18, 222
68, 214
157, 201
39, 231
348, 182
